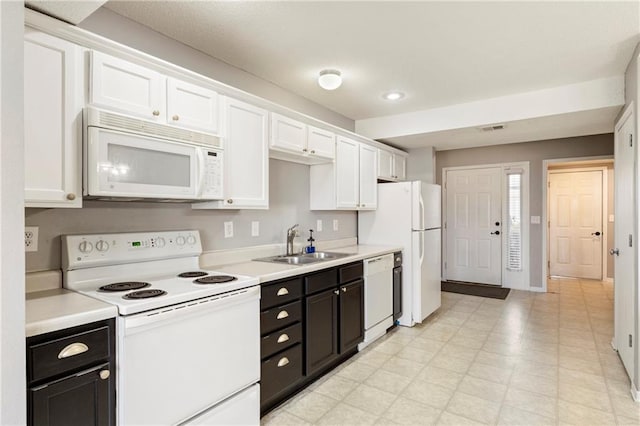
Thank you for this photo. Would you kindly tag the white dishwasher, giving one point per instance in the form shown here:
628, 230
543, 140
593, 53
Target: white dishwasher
378, 297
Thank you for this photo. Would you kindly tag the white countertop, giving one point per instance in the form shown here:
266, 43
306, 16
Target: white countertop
52, 310
266, 271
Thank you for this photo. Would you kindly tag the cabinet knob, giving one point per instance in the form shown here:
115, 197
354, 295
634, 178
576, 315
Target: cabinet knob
282, 315
175, 117
73, 349
156, 112
284, 337
104, 374
283, 361
304, 149
71, 196
344, 289
282, 292
313, 151
229, 201
336, 292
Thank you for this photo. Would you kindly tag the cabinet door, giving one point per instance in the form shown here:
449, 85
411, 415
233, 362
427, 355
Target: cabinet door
246, 156
385, 165
321, 328
86, 398
121, 85
347, 173
53, 81
399, 167
351, 315
321, 143
368, 177
193, 107
287, 134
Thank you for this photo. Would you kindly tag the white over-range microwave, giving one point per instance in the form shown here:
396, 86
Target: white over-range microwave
127, 158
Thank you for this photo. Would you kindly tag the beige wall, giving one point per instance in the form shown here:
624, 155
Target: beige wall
115, 27
288, 204
534, 153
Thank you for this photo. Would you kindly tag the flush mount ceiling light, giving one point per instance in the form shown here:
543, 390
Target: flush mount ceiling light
393, 96
330, 79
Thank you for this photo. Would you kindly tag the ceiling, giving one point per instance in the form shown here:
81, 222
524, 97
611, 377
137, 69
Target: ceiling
438, 53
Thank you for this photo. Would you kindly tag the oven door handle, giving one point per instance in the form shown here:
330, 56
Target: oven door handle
140, 322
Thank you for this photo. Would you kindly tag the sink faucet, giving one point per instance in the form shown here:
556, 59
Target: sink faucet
291, 234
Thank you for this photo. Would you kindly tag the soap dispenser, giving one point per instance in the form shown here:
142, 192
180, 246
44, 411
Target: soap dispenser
310, 248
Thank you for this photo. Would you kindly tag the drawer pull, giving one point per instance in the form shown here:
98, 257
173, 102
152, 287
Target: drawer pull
73, 349
344, 289
104, 374
283, 361
283, 338
282, 292
282, 315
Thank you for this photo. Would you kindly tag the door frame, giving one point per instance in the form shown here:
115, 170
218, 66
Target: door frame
521, 279
605, 211
545, 198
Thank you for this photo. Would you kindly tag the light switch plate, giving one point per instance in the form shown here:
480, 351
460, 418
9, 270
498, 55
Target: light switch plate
255, 228
319, 225
228, 229
335, 224
611, 218
535, 220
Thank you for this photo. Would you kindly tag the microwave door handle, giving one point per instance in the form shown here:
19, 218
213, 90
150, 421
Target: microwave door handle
203, 171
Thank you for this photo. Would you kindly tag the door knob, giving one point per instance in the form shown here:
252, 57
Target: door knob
495, 233
597, 233
614, 251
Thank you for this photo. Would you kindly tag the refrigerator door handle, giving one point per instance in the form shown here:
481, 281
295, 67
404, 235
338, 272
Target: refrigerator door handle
421, 248
421, 202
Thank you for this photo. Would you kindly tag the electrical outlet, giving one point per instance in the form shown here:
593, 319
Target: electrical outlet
255, 228
319, 225
228, 229
30, 238
335, 224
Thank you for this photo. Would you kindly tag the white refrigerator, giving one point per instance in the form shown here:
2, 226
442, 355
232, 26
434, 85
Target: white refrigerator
408, 215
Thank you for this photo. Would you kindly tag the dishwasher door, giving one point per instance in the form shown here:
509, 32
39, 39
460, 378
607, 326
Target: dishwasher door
378, 290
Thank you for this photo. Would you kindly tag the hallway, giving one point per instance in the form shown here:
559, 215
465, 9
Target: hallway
532, 359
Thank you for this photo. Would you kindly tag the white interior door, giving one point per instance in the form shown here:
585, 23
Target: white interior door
575, 224
474, 245
623, 234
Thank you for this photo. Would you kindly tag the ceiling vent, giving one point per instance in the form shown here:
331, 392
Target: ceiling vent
492, 128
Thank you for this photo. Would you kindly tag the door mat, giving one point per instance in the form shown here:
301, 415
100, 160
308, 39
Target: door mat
475, 289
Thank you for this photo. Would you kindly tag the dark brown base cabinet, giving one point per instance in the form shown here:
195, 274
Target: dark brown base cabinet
310, 324
71, 376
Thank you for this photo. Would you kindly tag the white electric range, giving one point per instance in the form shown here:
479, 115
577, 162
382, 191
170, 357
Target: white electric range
188, 348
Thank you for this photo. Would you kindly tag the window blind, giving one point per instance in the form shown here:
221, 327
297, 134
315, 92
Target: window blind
514, 222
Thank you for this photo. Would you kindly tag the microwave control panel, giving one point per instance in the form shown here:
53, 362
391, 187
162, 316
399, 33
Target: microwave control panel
214, 166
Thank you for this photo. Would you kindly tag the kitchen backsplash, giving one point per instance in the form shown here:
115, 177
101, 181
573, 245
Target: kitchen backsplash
288, 204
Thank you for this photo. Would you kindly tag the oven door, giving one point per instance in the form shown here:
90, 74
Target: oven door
180, 361
128, 165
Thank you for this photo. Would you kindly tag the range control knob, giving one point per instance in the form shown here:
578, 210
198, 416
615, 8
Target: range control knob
191, 240
102, 245
160, 242
85, 247
180, 240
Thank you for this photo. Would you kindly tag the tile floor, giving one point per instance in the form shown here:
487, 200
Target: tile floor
532, 359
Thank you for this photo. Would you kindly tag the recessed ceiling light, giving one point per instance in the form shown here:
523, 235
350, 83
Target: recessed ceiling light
330, 79
393, 96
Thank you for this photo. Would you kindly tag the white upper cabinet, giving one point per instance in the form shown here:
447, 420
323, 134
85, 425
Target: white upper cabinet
293, 140
246, 168
192, 106
53, 87
391, 166
130, 88
350, 183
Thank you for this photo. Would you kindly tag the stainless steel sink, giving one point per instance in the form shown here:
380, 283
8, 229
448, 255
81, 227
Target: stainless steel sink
303, 259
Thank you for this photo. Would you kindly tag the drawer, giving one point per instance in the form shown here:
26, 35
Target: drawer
68, 353
320, 281
280, 316
350, 272
281, 292
276, 341
279, 372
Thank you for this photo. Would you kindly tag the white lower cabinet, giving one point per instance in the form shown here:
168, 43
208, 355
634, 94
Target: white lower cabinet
350, 183
53, 87
246, 167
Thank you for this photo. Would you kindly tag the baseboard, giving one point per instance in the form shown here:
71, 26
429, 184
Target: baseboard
608, 280
635, 393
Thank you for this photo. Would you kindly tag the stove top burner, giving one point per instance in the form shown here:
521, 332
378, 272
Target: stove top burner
144, 294
124, 286
192, 274
215, 279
